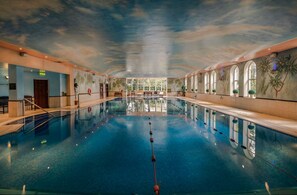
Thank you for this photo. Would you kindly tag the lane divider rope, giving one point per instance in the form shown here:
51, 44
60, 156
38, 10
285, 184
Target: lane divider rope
156, 186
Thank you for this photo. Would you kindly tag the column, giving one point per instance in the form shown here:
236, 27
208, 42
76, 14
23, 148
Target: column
70, 90
16, 91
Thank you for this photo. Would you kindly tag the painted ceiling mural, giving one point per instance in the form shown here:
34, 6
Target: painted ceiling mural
128, 38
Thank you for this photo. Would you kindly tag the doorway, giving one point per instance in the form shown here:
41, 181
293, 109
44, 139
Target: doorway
101, 91
106, 90
41, 93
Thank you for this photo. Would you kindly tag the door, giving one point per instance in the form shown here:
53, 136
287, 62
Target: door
106, 89
41, 93
101, 90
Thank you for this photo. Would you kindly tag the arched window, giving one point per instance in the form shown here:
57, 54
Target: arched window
234, 79
213, 81
192, 83
250, 72
189, 84
196, 83
206, 82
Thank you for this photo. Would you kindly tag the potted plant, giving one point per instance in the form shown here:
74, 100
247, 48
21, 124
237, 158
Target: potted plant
184, 90
207, 90
235, 92
214, 91
252, 93
251, 126
75, 93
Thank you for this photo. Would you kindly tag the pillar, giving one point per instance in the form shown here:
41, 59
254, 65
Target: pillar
16, 91
70, 89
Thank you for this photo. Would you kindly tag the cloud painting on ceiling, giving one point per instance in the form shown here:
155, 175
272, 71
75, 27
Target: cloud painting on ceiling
150, 37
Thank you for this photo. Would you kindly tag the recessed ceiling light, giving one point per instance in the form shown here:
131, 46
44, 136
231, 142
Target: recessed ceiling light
45, 56
269, 49
21, 48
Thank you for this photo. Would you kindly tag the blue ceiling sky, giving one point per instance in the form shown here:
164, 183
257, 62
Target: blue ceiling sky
147, 37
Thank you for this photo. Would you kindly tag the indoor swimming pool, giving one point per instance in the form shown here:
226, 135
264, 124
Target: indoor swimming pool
106, 149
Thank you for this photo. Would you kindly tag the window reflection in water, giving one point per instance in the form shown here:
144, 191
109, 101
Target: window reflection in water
249, 139
213, 119
146, 105
195, 112
192, 112
206, 116
233, 131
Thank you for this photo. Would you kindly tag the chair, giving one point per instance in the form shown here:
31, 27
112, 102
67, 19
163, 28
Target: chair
4, 103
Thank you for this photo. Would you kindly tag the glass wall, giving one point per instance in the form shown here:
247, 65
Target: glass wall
147, 84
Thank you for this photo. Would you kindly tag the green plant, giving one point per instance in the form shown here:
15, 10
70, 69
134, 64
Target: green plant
235, 91
129, 87
252, 92
183, 88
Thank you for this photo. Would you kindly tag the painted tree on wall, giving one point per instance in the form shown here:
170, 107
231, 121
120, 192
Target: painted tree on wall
117, 84
278, 70
222, 81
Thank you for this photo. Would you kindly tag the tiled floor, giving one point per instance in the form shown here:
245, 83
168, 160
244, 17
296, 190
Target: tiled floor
283, 125
280, 124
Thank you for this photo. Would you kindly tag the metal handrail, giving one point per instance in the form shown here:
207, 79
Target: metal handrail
78, 101
39, 107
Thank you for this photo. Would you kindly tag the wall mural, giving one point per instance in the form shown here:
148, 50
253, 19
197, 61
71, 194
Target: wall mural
174, 85
86, 80
128, 38
223, 81
278, 76
117, 84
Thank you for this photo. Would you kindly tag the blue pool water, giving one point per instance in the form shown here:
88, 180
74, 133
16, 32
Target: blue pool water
106, 149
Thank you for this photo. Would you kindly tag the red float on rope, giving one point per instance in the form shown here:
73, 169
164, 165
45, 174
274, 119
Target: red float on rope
90, 91
153, 158
151, 133
151, 140
156, 189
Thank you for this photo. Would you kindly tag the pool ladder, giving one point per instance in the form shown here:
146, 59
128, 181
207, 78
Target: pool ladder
39, 125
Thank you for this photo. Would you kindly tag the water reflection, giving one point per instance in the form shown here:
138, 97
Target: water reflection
207, 139
233, 131
206, 116
138, 106
213, 120
249, 139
